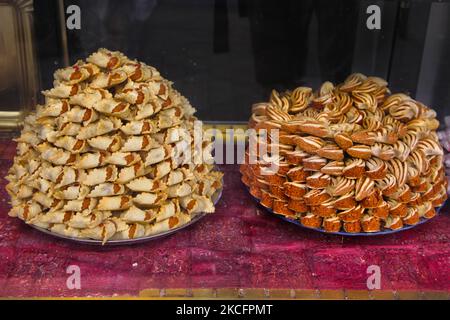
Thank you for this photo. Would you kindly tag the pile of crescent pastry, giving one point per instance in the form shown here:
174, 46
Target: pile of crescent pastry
349, 158
111, 154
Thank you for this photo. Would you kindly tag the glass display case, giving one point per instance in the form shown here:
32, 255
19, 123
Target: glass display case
224, 56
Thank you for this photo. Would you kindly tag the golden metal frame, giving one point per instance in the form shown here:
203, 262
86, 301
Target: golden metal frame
263, 294
290, 294
28, 71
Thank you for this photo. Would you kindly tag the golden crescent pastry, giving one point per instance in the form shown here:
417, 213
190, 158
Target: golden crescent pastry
159, 89
100, 175
106, 59
175, 177
148, 110
134, 96
56, 109
68, 129
62, 91
146, 199
166, 121
114, 203
71, 144
65, 230
106, 143
26, 211
16, 172
68, 176
89, 97
167, 209
47, 202
50, 172
43, 185
165, 225
80, 220
139, 127
76, 73
144, 184
22, 191
110, 153
91, 160
80, 205
111, 107
134, 230
180, 190
72, 192
104, 231
138, 72
123, 158
139, 143
106, 190
79, 114
158, 154
331, 151
172, 135
56, 156
210, 184
126, 174
135, 214
98, 128
57, 217
162, 169
31, 138
196, 204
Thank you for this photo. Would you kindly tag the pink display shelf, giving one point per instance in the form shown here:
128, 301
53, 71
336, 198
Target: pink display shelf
237, 250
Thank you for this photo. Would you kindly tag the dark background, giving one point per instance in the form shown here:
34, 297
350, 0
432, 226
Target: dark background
224, 55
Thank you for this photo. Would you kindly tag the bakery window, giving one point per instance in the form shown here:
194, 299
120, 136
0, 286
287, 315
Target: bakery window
227, 54
350, 86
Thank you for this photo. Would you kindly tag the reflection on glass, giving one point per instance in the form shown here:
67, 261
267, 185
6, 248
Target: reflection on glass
280, 36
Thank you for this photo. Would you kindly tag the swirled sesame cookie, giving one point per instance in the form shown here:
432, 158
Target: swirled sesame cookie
360, 159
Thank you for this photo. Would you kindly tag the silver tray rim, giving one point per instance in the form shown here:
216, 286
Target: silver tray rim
215, 197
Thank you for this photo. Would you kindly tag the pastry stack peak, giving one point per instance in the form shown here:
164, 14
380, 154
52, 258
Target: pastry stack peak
352, 157
111, 154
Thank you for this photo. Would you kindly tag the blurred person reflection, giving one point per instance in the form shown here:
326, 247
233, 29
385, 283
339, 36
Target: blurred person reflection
279, 31
114, 24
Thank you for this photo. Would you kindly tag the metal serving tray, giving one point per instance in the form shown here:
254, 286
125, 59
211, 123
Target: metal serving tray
216, 197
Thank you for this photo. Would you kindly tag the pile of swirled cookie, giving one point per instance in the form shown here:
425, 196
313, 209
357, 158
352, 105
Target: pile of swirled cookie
111, 154
350, 157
